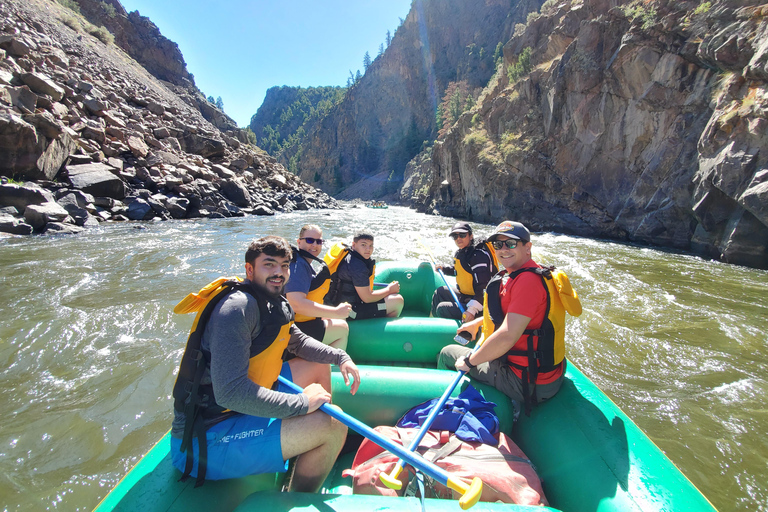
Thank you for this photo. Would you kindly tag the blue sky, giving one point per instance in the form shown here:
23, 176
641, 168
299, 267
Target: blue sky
237, 49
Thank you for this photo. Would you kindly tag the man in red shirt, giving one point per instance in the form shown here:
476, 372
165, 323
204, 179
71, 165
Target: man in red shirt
515, 312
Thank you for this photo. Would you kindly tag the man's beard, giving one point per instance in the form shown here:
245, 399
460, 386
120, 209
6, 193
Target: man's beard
267, 289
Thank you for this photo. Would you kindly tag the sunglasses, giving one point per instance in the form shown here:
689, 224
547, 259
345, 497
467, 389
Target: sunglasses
511, 244
459, 235
311, 240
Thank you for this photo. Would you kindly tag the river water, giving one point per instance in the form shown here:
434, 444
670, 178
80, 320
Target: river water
89, 345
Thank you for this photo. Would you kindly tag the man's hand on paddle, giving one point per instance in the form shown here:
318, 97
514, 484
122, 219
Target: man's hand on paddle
349, 369
317, 396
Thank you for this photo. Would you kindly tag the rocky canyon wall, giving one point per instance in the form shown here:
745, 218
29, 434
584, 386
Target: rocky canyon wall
386, 116
640, 121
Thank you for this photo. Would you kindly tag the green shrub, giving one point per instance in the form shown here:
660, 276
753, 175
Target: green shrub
71, 5
703, 8
249, 135
522, 67
548, 7
102, 34
109, 9
71, 21
646, 14
476, 139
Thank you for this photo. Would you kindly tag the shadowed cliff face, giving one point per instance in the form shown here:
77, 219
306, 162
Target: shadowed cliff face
384, 119
634, 125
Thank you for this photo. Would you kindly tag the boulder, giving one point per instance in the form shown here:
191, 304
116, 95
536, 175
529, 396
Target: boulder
77, 198
94, 131
14, 226
95, 106
278, 181
137, 146
96, 179
14, 45
156, 202
12, 211
21, 196
61, 228
200, 145
38, 215
235, 191
43, 84
50, 162
139, 209
23, 98
18, 145
45, 124
155, 108
177, 207
222, 171
79, 215
263, 210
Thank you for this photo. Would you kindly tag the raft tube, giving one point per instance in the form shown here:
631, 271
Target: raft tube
412, 339
590, 455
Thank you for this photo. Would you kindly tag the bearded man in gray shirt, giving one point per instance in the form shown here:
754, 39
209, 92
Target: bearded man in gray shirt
231, 417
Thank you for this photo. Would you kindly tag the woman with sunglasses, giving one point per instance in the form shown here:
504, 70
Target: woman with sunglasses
473, 267
307, 287
523, 355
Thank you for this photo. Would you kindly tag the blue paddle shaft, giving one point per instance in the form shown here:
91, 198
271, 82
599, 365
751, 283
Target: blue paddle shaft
438, 406
414, 459
453, 294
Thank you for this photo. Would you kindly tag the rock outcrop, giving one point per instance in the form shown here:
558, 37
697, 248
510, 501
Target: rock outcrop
643, 122
384, 118
82, 120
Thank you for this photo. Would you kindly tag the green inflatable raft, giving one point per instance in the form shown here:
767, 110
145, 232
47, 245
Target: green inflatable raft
589, 454
412, 339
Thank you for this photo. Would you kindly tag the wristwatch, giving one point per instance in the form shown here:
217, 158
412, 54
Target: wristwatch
469, 365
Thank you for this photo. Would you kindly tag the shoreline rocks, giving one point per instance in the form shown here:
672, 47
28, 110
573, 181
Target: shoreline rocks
88, 136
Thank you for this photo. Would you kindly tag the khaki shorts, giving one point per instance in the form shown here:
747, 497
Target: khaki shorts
497, 374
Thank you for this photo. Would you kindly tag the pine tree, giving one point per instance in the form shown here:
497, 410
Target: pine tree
211, 100
366, 61
220, 104
389, 38
358, 76
456, 100
381, 50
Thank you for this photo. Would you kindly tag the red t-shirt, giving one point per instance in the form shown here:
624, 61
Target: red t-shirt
526, 296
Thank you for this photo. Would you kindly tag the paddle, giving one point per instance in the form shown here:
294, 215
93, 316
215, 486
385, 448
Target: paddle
390, 480
461, 337
470, 494
440, 271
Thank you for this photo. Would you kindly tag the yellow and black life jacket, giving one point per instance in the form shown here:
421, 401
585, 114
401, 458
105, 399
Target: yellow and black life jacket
343, 290
319, 285
196, 399
465, 276
543, 349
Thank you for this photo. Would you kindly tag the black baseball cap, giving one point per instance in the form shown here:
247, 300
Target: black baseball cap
460, 227
513, 230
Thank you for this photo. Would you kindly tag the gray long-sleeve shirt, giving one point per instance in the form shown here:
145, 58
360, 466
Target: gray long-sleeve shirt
234, 322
